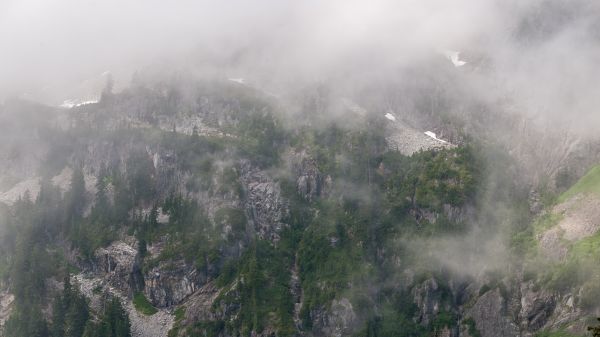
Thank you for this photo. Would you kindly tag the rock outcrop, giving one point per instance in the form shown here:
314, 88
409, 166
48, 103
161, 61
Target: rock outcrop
536, 307
117, 264
491, 316
199, 306
310, 182
408, 140
340, 320
428, 301
6, 301
97, 290
172, 282
265, 206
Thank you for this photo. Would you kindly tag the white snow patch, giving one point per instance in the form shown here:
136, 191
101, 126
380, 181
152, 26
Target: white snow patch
390, 117
454, 57
238, 80
408, 140
72, 103
434, 136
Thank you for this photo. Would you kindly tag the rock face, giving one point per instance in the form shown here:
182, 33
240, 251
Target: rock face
169, 284
310, 182
536, 307
117, 270
340, 320
199, 305
264, 204
31, 186
97, 290
491, 316
165, 285
117, 264
427, 298
6, 301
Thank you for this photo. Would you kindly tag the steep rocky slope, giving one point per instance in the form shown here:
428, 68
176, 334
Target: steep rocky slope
204, 213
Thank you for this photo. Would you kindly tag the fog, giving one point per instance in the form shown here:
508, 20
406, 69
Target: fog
53, 48
541, 56
537, 59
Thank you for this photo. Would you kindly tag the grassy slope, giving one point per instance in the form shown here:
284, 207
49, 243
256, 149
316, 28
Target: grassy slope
590, 183
142, 305
579, 269
579, 272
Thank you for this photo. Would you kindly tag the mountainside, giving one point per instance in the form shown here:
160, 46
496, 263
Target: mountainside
209, 212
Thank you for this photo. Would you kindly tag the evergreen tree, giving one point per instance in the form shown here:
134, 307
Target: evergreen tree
71, 313
75, 198
76, 317
153, 218
114, 322
58, 317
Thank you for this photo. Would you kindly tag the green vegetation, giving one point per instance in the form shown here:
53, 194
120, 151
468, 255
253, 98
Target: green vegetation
471, 327
207, 329
328, 256
559, 333
141, 304
233, 220
179, 316
525, 243
179, 313
395, 320
430, 179
338, 242
579, 268
444, 319
191, 234
31, 262
392, 326
70, 312
590, 293
260, 137
262, 290
581, 264
595, 329
590, 183
114, 322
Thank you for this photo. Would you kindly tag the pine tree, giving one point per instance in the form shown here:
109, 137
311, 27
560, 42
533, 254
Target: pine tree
58, 317
75, 198
76, 316
101, 210
153, 220
71, 312
114, 322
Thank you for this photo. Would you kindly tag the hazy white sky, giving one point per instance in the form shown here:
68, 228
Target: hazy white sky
54, 44
53, 50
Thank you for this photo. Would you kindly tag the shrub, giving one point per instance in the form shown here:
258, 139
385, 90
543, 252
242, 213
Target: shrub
141, 304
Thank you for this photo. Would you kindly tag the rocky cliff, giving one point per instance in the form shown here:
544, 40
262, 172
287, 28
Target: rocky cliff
204, 215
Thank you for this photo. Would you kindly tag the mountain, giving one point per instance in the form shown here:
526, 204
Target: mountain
208, 208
